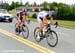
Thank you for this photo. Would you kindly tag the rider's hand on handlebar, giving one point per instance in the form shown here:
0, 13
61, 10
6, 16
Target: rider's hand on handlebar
56, 23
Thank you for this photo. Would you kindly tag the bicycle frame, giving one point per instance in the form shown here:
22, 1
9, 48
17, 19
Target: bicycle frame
48, 27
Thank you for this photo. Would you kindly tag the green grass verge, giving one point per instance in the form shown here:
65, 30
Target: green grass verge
33, 19
66, 23
12, 12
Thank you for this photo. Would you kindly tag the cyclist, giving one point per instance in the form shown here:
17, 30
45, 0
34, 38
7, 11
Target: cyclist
20, 18
42, 19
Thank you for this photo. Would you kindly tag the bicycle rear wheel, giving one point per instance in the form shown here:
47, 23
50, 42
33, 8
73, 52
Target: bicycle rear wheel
37, 35
25, 31
52, 38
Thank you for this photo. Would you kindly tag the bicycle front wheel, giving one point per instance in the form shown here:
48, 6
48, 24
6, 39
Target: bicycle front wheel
25, 31
52, 38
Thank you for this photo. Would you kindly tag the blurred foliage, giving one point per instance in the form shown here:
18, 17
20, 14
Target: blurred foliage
63, 11
34, 15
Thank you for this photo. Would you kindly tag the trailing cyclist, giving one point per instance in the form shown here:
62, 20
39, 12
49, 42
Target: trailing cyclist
21, 18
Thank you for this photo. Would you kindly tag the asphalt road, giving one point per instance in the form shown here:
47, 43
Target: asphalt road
66, 42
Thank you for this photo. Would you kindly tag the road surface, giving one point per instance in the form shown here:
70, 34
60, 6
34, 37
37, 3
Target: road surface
66, 42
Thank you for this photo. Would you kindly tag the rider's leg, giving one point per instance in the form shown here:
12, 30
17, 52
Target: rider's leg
40, 30
41, 26
18, 23
46, 22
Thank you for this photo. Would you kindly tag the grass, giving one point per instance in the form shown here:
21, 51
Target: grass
12, 12
70, 24
61, 22
33, 19
66, 23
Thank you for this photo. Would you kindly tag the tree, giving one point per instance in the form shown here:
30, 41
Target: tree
27, 3
13, 5
17, 4
34, 4
65, 12
7, 7
53, 5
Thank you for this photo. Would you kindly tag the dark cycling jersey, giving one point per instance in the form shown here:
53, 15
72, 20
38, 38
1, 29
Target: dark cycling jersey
21, 14
21, 18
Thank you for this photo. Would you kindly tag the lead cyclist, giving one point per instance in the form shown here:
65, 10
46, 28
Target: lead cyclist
42, 19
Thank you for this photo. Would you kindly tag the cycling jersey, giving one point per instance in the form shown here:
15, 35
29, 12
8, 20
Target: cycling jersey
41, 15
21, 14
45, 13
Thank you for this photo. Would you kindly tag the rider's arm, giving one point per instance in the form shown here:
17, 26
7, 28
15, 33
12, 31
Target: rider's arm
26, 17
51, 19
19, 17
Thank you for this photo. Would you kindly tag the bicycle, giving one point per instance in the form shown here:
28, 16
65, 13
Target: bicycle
24, 29
50, 35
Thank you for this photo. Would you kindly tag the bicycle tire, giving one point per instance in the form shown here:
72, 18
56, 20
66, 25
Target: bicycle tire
47, 38
25, 30
35, 35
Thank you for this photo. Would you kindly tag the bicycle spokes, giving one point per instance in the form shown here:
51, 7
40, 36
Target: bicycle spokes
52, 39
25, 31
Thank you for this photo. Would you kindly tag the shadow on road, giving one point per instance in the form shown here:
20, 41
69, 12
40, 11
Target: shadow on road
5, 22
